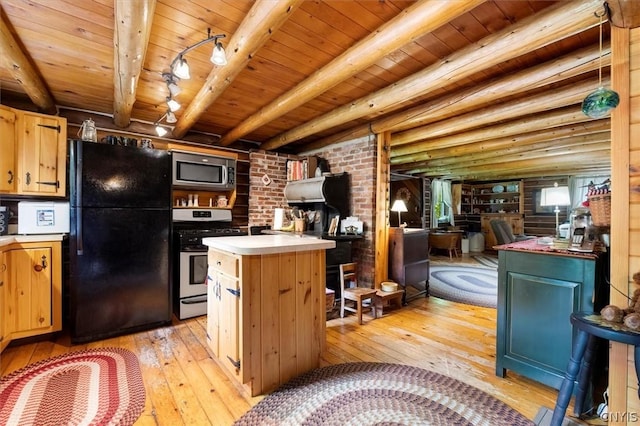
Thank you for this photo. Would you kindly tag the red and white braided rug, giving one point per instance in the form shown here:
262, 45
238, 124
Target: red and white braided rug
90, 387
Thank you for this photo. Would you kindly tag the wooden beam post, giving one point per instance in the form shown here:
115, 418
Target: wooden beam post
382, 208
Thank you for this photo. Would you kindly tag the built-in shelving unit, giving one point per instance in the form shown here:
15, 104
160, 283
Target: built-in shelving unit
490, 197
498, 197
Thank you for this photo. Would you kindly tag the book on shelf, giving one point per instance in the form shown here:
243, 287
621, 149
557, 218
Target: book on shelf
301, 169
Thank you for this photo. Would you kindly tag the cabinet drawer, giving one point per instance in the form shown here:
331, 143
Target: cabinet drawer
223, 262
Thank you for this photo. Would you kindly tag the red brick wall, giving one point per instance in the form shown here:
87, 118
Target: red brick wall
357, 158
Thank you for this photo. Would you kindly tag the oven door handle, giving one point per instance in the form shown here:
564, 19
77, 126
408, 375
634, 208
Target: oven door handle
194, 300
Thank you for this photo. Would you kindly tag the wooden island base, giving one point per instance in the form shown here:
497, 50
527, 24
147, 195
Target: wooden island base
266, 307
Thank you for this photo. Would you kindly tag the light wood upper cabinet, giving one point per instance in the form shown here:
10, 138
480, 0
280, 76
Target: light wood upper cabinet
7, 148
41, 154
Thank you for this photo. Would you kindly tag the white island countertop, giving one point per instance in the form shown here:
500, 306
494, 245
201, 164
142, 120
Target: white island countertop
267, 244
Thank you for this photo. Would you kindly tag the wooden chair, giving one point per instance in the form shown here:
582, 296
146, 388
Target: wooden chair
350, 291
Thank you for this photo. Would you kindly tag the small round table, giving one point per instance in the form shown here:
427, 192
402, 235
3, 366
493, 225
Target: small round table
590, 327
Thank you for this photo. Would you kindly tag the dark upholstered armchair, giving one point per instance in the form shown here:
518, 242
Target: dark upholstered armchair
504, 234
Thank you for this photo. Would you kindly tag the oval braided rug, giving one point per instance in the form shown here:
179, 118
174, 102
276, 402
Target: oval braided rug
378, 393
464, 284
95, 386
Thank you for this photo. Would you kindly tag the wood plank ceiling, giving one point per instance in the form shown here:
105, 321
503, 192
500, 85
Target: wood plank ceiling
470, 90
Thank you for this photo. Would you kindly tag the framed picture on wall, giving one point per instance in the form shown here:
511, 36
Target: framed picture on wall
539, 209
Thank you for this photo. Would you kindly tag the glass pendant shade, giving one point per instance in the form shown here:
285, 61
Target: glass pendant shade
181, 69
173, 105
171, 117
161, 131
600, 102
218, 55
174, 89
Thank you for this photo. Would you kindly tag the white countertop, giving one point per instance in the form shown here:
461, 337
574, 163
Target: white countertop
268, 244
5, 240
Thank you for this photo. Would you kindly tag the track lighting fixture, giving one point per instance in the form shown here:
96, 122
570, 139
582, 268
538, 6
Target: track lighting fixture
179, 70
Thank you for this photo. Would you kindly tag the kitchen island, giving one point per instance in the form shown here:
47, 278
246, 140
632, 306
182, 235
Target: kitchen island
266, 307
539, 287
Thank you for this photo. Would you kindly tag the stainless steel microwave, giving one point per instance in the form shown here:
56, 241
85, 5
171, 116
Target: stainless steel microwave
202, 171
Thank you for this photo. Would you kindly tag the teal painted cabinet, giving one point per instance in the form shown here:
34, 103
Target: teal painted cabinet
537, 292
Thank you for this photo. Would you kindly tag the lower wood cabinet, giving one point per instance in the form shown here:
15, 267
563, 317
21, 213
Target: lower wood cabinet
266, 315
31, 290
4, 339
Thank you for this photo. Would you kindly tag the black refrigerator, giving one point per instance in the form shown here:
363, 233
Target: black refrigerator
119, 259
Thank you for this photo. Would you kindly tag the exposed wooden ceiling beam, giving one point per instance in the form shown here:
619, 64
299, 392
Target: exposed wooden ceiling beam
470, 163
264, 18
508, 142
556, 118
570, 94
571, 65
476, 154
132, 27
421, 18
546, 27
598, 159
567, 169
21, 69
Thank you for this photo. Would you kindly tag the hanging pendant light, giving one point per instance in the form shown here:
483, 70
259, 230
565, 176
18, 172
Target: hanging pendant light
600, 102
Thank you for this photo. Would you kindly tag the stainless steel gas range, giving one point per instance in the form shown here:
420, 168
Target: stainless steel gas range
190, 226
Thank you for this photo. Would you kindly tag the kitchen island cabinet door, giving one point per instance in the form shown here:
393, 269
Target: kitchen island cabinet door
229, 324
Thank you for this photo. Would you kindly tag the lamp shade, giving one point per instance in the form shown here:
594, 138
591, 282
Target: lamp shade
555, 196
399, 206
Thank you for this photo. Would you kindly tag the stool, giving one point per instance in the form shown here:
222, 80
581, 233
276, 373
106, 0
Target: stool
590, 327
388, 298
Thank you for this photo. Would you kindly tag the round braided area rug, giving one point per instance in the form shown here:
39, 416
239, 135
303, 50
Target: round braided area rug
464, 284
96, 386
379, 393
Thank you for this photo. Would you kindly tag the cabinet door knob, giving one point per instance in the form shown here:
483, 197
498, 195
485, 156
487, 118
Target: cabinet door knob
28, 178
42, 265
10, 177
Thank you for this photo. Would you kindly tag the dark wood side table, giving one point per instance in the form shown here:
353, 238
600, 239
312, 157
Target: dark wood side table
409, 259
590, 328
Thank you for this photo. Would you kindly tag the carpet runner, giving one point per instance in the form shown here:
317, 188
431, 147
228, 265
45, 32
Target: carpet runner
379, 393
98, 387
464, 284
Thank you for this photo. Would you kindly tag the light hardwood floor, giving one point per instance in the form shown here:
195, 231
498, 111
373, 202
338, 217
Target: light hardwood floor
185, 385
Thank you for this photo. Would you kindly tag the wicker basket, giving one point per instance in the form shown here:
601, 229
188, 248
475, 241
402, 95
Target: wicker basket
600, 207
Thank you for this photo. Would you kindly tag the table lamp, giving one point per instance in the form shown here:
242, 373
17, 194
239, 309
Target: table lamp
555, 196
399, 206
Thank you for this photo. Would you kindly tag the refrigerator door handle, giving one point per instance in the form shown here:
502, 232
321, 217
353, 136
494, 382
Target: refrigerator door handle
79, 239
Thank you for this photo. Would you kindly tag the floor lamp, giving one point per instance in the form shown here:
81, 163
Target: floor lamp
555, 196
399, 206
